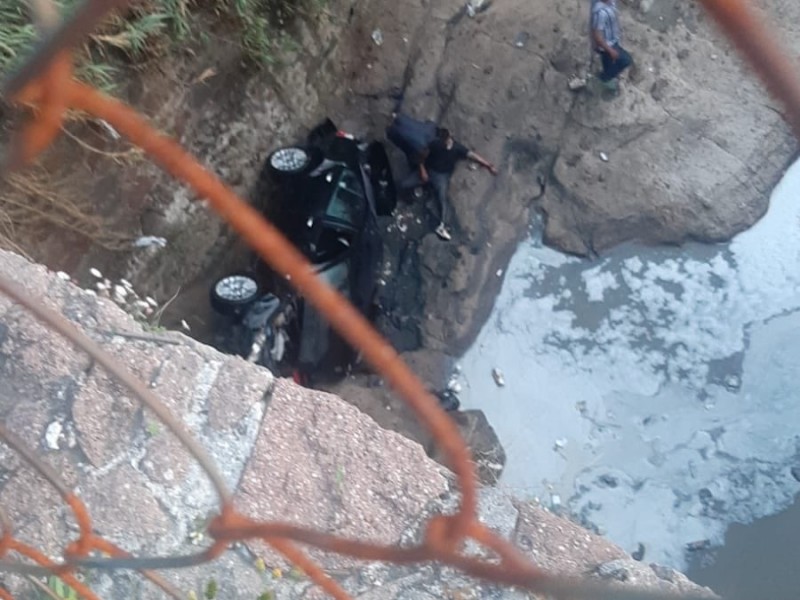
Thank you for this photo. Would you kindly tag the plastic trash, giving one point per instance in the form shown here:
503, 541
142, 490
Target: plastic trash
150, 241
497, 374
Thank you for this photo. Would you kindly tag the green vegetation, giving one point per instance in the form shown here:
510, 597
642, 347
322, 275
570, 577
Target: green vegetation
61, 589
150, 28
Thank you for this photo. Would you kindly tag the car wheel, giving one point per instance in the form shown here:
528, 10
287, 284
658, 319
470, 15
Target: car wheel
232, 294
291, 160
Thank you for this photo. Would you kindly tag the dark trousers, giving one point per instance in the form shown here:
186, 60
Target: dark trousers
439, 182
612, 68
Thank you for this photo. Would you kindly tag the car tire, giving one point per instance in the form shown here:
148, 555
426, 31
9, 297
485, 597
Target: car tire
234, 293
292, 161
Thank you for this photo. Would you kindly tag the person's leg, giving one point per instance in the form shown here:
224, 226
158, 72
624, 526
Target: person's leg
618, 66
440, 183
625, 60
606, 74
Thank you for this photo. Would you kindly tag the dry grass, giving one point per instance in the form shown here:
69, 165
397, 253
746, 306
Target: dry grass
31, 208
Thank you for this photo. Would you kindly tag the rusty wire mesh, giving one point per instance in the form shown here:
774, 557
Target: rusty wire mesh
45, 85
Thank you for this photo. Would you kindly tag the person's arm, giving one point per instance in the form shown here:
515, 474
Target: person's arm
423, 172
475, 157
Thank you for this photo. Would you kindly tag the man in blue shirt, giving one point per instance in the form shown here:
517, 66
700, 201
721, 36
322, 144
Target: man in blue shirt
607, 38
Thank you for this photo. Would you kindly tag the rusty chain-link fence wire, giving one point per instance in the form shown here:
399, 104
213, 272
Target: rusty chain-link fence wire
44, 84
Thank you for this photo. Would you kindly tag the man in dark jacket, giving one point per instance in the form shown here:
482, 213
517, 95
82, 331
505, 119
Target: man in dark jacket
441, 158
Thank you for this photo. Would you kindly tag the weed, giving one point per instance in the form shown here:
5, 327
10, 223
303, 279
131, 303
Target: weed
340, 479
211, 590
35, 202
61, 589
150, 27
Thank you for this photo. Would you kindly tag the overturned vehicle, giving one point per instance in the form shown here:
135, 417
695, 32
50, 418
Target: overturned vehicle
330, 192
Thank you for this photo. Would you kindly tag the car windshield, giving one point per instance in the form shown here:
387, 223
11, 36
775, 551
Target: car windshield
347, 201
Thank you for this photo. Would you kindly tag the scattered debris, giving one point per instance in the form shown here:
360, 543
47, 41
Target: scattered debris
521, 39
604, 157
377, 37
111, 131
457, 368
207, 74
448, 400
560, 443
698, 545
638, 554
477, 6
497, 374
150, 241
733, 383
151, 301
62, 276
185, 325
577, 83
95, 273
52, 435
555, 500
120, 292
453, 385
499, 272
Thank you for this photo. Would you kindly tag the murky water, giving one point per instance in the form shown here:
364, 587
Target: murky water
653, 392
757, 561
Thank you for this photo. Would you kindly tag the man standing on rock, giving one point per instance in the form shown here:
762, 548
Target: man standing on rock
606, 37
441, 158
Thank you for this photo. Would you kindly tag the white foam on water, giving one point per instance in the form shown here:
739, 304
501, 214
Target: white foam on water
628, 358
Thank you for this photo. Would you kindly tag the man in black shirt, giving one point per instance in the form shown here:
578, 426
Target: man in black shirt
441, 159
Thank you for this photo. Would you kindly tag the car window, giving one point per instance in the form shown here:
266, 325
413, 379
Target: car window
330, 244
347, 201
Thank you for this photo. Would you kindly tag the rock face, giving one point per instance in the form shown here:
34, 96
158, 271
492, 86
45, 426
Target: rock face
693, 143
290, 454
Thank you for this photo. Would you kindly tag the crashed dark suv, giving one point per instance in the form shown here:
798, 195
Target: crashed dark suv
329, 193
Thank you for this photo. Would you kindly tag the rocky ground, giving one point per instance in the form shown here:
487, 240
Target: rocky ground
693, 143
286, 453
